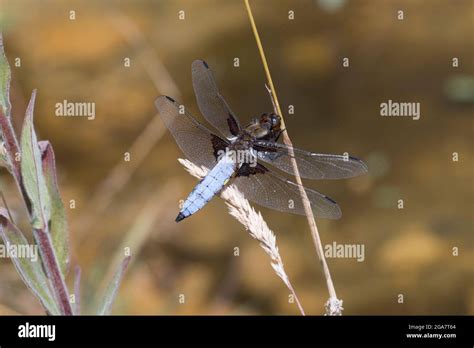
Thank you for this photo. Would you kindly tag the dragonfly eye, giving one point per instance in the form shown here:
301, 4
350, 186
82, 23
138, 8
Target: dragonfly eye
275, 119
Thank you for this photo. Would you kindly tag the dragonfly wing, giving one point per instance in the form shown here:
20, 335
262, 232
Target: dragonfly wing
197, 142
311, 165
270, 190
211, 103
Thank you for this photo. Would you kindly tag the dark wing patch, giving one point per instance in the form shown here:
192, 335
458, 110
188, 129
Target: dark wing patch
218, 144
211, 103
246, 170
233, 125
196, 141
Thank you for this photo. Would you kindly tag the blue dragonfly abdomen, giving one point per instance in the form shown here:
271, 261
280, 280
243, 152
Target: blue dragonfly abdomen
208, 187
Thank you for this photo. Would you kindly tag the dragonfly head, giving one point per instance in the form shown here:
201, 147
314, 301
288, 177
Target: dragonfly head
270, 122
270, 126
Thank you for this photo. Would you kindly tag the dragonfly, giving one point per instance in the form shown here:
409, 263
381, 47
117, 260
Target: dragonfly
250, 157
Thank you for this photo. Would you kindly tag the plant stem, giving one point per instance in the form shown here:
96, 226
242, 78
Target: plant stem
12, 149
42, 237
53, 271
11, 144
298, 303
286, 139
77, 291
120, 175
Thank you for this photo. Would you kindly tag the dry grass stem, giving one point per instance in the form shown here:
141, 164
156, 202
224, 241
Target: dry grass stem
143, 227
240, 208
331, 308
121, 173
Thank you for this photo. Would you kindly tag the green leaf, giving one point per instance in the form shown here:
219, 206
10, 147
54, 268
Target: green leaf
5, 76
31, 272
7, 134
112, 289
58, 225
32, 172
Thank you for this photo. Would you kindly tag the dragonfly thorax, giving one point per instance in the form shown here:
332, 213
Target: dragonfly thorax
267, 127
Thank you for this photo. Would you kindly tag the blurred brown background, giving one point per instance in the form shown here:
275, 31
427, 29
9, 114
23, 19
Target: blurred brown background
134, 203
